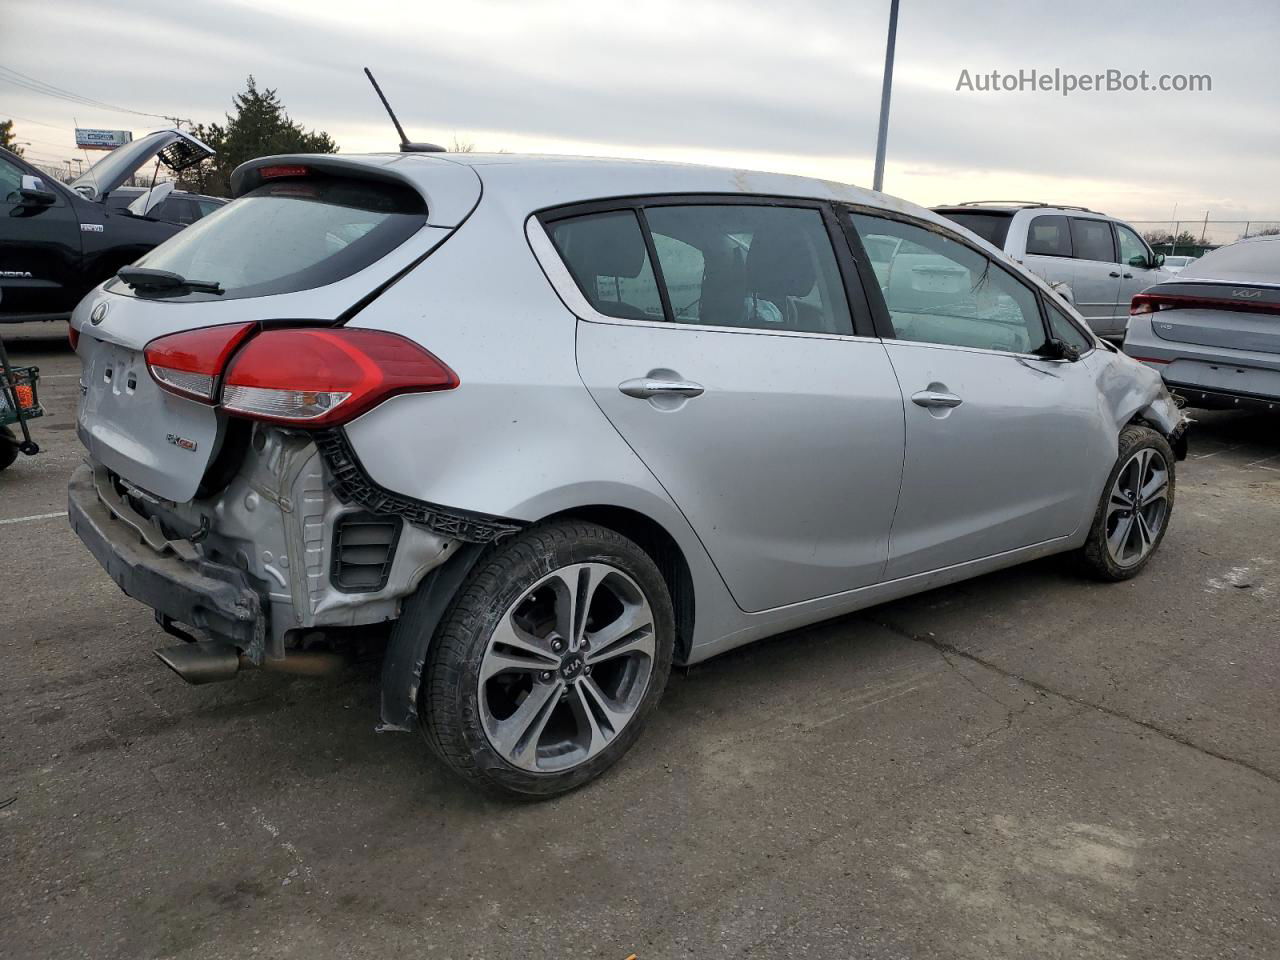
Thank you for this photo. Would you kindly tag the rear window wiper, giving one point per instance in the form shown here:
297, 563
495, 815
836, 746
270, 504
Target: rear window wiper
145, 279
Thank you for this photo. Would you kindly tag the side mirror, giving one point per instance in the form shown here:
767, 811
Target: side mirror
1157, 260
33, 193
1138, 260
1055, 349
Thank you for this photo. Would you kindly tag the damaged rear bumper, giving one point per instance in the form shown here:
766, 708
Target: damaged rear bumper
216, 599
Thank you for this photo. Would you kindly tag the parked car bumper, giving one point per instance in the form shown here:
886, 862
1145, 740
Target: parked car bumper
1208, 376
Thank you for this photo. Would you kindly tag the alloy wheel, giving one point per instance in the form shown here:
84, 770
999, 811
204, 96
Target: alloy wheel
1138, 507
567, 667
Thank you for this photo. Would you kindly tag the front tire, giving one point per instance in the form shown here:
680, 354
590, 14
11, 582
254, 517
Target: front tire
1135, 509
550, 661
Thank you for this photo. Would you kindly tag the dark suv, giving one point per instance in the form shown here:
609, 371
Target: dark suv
58, 241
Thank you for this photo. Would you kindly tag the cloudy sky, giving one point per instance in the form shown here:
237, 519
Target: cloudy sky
792, 85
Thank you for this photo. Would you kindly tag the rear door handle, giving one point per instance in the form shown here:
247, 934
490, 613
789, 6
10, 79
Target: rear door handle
932, 398
642, 388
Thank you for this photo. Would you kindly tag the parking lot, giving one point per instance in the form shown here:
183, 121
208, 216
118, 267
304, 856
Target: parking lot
1025, 765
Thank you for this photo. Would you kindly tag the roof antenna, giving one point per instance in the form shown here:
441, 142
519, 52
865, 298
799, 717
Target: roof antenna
405, 145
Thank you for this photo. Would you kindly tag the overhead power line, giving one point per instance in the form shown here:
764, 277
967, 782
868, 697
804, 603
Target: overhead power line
26, 82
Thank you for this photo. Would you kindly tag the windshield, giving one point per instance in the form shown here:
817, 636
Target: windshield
290, 235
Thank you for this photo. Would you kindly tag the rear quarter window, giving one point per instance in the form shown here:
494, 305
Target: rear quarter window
289, 235
991, 227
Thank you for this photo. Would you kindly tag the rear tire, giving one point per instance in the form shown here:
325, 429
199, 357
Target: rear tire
8, 447
1135, 509
550, 661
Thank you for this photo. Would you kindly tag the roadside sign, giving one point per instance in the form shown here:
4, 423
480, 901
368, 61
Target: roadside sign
101, 139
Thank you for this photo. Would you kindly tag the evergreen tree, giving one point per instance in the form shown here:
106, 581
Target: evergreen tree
7, 138
259, 127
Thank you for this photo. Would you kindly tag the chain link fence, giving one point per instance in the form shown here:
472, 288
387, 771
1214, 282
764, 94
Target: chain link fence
1194, 237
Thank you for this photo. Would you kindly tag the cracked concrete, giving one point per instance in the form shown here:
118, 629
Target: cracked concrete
1025, 765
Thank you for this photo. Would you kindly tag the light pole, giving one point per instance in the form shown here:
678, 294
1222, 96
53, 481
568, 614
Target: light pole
877, 182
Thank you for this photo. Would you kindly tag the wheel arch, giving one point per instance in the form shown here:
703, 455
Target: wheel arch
654, 539
406, 655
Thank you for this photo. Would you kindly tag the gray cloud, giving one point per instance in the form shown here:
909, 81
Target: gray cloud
792, 79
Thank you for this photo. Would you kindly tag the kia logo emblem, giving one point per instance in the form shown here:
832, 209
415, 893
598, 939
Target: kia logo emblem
99, 313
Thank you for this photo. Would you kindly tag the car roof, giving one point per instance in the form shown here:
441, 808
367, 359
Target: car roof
1011, 209
536, 181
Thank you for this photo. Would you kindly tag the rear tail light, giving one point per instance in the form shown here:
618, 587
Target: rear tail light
320, 376
189, 363
73, 337
1155, 302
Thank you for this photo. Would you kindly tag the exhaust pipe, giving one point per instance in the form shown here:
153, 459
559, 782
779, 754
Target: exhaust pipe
204, 661
209, 661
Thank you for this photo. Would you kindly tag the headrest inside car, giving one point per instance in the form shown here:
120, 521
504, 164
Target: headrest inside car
609, 245
780, 263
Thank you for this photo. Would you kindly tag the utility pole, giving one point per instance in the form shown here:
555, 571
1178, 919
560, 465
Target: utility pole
877, 182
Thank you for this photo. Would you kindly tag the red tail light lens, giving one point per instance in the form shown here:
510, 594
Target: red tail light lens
283, 170
73, 337
1155, 302
315, 377
190, 362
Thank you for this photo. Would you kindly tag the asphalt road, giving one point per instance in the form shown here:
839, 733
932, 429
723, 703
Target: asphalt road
1027, 765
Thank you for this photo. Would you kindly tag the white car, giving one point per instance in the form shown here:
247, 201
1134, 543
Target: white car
1097, 263
1178, 264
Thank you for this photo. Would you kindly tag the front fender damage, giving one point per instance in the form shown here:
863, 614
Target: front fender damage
1134, 393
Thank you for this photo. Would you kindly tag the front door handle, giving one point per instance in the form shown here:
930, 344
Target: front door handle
1128, 276
933, 398
1114, 273
642, 388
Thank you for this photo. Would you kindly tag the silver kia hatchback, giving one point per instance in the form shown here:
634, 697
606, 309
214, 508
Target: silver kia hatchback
563, 422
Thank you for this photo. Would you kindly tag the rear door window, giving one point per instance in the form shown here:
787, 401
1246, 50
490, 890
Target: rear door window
606, 254
289, 235
1049, 236
1092, 240
741, 265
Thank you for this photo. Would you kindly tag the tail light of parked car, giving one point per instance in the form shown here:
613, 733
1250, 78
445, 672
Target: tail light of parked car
1156, 302
299, 376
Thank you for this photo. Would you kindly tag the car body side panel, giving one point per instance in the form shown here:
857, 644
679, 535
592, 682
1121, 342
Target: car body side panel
1012, 465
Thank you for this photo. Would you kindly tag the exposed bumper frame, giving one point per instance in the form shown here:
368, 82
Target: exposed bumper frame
214, 598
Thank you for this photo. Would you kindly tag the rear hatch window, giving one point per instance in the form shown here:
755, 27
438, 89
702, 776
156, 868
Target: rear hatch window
991, 226
288, 235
